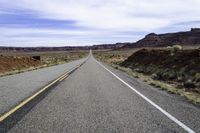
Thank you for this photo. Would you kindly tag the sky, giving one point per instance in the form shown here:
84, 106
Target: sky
28, 23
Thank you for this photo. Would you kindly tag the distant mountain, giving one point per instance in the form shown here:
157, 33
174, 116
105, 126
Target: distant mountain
188, 38
38, 49
66, 48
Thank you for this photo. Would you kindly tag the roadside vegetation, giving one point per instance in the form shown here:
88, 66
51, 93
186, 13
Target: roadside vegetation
173, 69
12, 63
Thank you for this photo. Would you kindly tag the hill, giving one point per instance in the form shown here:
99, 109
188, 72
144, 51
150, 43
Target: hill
188, 38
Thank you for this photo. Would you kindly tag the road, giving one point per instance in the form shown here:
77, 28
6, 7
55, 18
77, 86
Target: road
98, 99
15, 88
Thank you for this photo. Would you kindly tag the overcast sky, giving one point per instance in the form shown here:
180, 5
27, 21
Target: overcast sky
87, 22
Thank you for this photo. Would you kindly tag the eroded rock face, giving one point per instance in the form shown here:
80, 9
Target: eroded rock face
195, 30
152, 37
190, 38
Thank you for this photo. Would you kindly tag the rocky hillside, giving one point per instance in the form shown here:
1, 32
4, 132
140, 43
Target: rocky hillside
188, 38
177, 66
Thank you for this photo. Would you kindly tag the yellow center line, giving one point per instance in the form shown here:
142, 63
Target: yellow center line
62, 77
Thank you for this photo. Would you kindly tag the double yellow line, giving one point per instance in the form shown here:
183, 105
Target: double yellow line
59, 79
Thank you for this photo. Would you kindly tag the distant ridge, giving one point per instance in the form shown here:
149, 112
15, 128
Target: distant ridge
65, 48
188, 38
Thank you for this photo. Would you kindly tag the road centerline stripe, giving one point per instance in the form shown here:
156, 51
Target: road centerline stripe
186, 128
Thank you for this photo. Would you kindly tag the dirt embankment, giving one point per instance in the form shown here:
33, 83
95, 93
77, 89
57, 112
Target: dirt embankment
17, 62
181, 67
12, 63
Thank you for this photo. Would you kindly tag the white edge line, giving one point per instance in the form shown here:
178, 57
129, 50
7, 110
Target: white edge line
186, 128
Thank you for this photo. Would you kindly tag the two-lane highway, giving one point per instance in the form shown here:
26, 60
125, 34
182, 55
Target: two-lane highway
93, 99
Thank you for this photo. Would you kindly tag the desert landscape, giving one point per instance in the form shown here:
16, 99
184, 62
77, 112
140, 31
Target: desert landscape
169, 61
161, 63
99, 66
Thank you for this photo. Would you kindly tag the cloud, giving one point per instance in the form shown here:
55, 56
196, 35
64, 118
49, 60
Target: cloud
59, 37
98, 21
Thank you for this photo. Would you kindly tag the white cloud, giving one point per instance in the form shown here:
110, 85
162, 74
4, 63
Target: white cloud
139, 14
59, 37
110, 16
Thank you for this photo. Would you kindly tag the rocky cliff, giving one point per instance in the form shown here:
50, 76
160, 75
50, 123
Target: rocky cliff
188, 38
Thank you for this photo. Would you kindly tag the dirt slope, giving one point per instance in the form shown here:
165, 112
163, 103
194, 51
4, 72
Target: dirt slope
11, 63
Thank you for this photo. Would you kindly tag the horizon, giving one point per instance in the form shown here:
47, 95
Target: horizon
91, 44
34, 23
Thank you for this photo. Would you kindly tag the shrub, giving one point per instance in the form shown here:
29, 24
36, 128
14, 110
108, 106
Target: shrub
155, 76
174, 49
197, 85
179, 78
172, 75
169, 75
150, 69
139, 70
169, 47
177, 47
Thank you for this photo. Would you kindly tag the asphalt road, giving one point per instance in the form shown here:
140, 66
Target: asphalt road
94, 100
15, 88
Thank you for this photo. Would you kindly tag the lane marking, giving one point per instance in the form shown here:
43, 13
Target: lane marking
62, 77
186, 128
26, 101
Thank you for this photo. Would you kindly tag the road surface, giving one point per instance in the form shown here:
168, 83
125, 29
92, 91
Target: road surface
15, 88
103, 100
